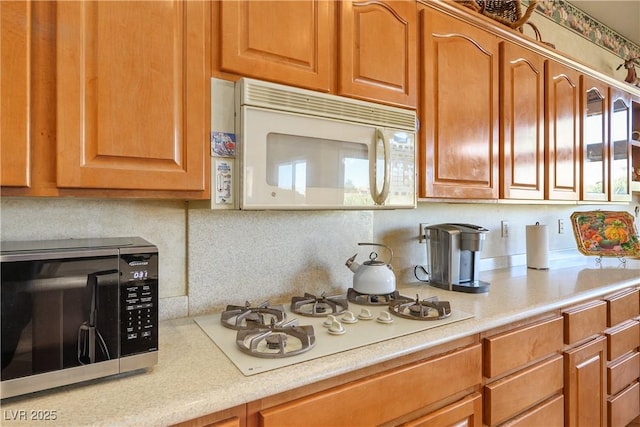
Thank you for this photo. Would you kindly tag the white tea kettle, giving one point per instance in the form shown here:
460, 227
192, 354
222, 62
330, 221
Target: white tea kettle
373, 277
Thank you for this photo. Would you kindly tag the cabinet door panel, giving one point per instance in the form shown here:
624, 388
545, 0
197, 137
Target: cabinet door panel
378, 51
620, 152
585, 385
132, 91
459, 133
563, 132
595, 140
522, 131
288, 42
15, 73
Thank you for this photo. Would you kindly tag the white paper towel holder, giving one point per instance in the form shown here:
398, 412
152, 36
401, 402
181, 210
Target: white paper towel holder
537, 247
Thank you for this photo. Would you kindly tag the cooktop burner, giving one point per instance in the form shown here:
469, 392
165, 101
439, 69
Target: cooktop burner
426, 309
372, 299
311, 305
280, 340
247, 317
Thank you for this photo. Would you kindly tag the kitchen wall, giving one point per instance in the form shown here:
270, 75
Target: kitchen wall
161, 222
210, 258
253, 256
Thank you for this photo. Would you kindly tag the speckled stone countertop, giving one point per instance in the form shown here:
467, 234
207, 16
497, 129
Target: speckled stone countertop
194, 378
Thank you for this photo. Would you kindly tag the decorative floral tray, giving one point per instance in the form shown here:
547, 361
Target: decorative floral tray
605, 233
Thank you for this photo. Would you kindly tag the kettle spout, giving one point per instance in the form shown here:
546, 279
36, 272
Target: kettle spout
353, 266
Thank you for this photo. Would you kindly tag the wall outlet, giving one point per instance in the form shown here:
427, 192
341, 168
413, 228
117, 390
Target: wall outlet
423, 232
504, 228
561, 226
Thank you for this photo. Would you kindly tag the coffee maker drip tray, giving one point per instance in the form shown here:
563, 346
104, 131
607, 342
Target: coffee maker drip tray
476, 287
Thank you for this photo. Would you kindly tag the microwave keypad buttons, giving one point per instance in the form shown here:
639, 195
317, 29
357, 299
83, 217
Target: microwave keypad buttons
139, 316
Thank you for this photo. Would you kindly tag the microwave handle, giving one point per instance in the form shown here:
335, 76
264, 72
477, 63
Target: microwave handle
379, 197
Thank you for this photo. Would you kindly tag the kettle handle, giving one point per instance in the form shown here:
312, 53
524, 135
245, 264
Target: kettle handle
381, 245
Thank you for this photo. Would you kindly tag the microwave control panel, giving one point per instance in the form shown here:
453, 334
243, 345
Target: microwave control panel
138, 303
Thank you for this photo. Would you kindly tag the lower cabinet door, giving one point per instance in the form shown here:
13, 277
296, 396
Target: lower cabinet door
466, 412
584, 384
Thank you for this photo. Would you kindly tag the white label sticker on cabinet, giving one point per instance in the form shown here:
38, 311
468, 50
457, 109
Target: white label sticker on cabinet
224, 182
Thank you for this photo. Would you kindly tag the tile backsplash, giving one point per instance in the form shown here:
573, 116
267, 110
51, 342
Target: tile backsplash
253, 256
160, 222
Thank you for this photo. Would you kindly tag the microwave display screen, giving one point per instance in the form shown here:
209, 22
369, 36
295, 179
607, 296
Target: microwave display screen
140, 275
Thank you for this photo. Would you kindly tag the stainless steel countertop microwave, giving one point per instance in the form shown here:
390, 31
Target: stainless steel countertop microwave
75, 310
280, 147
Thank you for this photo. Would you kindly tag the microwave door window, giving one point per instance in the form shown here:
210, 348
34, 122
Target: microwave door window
402, 171
58, 314
305, 169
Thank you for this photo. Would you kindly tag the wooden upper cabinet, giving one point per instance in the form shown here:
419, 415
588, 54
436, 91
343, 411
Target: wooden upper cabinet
563, 132
606, 146
458, 149
522, 127
15, 73
620, 139
132, 95
595, 139
290, 42
378, 51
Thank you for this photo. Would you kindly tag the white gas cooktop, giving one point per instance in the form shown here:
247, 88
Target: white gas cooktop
361, 333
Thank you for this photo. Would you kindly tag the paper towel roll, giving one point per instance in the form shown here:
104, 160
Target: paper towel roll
537, 247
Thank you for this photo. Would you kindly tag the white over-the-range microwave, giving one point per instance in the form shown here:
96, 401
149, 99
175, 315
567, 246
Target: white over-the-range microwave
284, 148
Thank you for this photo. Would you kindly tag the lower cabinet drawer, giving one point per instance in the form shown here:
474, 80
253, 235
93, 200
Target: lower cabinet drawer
623, 372
549, 414
466, 412
624, 407
584, 321
384, 397
622, 339
622, 306
517, 392
512, 349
